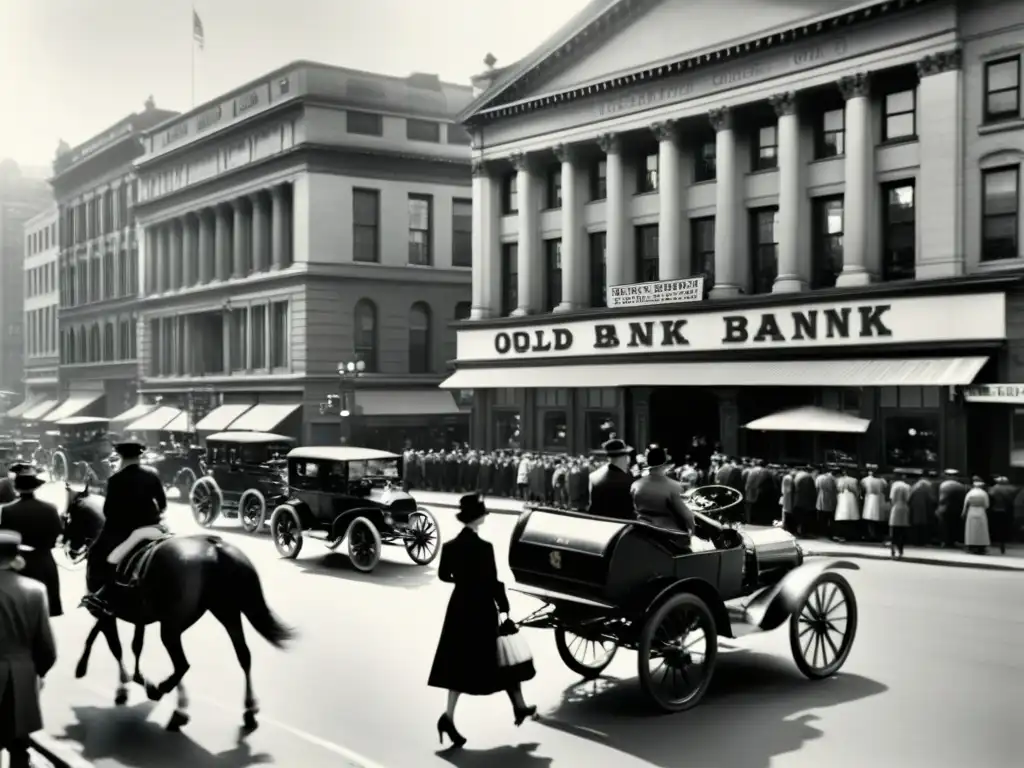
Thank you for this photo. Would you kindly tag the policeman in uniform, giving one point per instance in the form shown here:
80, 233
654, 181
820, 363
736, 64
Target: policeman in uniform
133, 509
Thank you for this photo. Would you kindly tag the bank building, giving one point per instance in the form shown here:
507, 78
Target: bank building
791, 227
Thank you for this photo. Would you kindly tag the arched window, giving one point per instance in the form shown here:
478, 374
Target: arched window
108, 341
67, 346
94, 343
462, 310
365, 333
82, 350
419, 338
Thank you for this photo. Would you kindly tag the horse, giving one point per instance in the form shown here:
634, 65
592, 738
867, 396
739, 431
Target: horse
185, 577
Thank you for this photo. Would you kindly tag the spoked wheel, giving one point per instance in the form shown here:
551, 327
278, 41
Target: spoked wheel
678, 649
587, 658
59, 468
821, 633
205, 501
286, 530
425, 537
184, 481
252, 511
363, 545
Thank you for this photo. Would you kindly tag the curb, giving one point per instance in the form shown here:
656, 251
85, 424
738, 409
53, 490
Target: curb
57, 752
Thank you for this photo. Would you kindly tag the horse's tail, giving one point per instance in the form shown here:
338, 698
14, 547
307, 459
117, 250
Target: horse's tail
244, 582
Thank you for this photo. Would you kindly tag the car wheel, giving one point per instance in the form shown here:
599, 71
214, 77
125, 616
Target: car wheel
587, 657
205, 501
184, 481
252, 511
363, 545
59, 467
678, 649
424, 541
821, 632
286, 530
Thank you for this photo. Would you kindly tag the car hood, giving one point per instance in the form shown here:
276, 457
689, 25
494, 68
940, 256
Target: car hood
392, 498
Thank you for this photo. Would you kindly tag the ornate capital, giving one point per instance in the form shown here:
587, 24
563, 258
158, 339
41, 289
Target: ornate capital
520, 161
783, 103
479, 168
937, 63
609, 143
565, 152
855, 86
666, 130
721, 118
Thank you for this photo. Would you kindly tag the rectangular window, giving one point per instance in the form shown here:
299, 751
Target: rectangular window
828, 242
108, 275
647, 178
124, 287
1002, 89
899, 120
1000, 213
598, 267
366, 225
705, 165
258, 320
767, 149
509, 277
599, 180
155, 343
462, 233
831, 134
420, 228
423, 130
279, 334
553, 190
899, 235
364, 123
94, 279
510, 194
239, 339
647, 253
704, 250
765, 252
553, 273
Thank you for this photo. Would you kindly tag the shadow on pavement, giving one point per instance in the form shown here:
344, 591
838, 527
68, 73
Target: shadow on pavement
127, 737
756, 709
519, 756
387, 573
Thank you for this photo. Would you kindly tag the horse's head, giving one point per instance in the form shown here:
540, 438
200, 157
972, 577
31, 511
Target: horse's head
83, 517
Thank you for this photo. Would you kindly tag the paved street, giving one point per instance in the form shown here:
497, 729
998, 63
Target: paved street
935, 679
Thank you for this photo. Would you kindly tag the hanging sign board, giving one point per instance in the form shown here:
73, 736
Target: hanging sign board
658, 292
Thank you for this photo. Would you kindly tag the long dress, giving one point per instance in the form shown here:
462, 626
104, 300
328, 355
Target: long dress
847, 508
976, 518
874, 490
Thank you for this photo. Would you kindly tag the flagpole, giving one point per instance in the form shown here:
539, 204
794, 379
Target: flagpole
192, 37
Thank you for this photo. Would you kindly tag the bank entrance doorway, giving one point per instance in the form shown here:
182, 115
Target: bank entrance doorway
678, 414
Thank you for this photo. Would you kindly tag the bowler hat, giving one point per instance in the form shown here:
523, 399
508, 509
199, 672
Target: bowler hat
18, 466
130, 449
951, 472
615, 447
471, 507
27, 479
656, 457
10, 547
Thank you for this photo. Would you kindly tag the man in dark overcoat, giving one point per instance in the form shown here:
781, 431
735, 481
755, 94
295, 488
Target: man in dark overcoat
951, 506
1000, 512
610, 485
27, 651
924, 500
38, 523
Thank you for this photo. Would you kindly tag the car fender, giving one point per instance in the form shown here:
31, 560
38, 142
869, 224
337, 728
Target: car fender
306, 519
773, 606
656, 592
339, 527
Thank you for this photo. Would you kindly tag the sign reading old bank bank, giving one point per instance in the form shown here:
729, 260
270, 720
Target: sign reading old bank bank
928, 319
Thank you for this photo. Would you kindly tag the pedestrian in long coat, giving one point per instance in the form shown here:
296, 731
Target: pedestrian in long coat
805, 495
826, 501
899, 515
950, 509
39, 524
27, 651
975, 516
466, 660
872, 512
847, 507
786, 502
924, 500
1000, 512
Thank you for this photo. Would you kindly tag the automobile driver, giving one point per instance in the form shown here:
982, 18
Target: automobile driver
610, 485
657, 498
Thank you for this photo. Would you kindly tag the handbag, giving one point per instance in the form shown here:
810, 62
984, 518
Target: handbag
512, 648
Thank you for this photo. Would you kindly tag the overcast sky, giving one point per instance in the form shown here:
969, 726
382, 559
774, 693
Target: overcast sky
70, 68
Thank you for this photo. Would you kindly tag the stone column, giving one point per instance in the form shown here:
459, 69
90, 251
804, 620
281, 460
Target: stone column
478, 306
671, 264
206, 268
574, 257
793, 274
162, 236
260, 232
730, 271
619, 269
188, 251
222, 243
241, 234
177, 253
939, 180
860, 180
149, 264
529, 265
279, 231
491, 243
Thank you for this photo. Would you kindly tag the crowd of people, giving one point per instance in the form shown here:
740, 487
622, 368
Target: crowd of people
827, 501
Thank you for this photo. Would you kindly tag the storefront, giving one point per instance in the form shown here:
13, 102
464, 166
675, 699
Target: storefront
878, 371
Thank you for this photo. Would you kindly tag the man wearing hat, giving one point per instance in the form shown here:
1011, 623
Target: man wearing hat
657, 498
38, 523
7, 492
952, 493
610, 485
1000, 513
133, 509
27, 651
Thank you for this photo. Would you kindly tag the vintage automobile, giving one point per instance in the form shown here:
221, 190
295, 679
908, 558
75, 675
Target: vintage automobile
84, 452
244, 478
609, 583
339, 492
178, 464
8, 450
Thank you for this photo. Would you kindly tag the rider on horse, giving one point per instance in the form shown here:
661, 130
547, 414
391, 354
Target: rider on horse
133, 509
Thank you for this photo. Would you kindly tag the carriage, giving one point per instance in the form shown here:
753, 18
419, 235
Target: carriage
83, 452
343, 492
607, 584
244, 478
179, 466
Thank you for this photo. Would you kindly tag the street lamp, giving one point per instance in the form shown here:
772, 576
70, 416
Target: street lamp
348, 372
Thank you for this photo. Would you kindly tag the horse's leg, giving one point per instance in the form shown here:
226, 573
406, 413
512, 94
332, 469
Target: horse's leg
137, 642
232, 621
108, 625
170, 634
83, 663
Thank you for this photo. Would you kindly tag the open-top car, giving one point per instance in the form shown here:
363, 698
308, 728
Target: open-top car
609, 583
84, 452
245, 477
343, 492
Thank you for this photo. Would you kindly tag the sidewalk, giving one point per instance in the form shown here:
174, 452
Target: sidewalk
1013, 560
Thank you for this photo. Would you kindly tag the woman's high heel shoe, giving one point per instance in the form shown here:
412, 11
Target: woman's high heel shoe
523, 714
445, 726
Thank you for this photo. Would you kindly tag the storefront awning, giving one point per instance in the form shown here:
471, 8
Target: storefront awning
180, 423
810, 419
73, 406
221, 418
154, 421
409, 402
920, 372
133, 413
24, 405
36, 412
263, 417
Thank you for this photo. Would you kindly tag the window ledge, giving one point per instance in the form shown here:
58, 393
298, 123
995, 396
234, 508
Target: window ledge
828, 159
1000, 265
762, 171
645, 193
1001, 126
704, 181
899, 141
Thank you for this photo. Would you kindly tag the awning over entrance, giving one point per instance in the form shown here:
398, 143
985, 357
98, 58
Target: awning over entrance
36, 412
920, 372
412, 402
73, 406
221, 418
263, 417
24, 405
180, 423
154, 421
133, 413
810, 419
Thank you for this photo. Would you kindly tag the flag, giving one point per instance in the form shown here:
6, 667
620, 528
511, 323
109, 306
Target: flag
197, 29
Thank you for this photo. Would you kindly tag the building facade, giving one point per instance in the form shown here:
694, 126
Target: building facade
96, 191
40, 342
844, 178
313, 218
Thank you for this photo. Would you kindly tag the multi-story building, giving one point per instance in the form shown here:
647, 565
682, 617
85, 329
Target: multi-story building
42, 247
96, 190
846, 180
21, 198
312, 218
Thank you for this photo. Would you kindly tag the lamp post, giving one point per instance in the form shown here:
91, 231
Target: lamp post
345, 400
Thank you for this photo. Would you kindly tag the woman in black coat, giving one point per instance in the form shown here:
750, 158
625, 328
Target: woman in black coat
466, 660
39, 524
